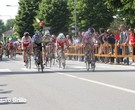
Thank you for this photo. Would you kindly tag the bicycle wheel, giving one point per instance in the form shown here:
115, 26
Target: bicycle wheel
87, 63
93, 66
50, 62
0, 57
29, 62
59, 62
26, 62
11, 54
41, 63
63, 65
46, 61
63, 62
42, 68
14, 54
38, 68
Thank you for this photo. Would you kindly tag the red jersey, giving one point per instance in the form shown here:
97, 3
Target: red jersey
132, 38
62, 43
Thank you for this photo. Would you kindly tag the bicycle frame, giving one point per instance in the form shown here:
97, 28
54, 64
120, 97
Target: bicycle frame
88, 58
49, 54
28, 59
61, 57
38, 59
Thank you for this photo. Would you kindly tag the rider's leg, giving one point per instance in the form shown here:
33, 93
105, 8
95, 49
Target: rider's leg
24, 56
44, 56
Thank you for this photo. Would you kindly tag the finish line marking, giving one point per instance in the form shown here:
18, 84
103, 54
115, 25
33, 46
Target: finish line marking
100, 83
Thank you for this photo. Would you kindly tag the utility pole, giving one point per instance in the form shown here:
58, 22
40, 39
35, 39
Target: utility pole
75, 18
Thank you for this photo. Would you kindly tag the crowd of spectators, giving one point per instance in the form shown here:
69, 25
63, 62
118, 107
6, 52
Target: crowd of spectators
121, 36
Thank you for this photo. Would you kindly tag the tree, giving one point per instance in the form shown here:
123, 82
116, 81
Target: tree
26, 16
9, 24
90, 13
54, 13
126, 8
2, 27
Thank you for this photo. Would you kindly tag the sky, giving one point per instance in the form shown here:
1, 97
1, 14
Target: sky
8, 12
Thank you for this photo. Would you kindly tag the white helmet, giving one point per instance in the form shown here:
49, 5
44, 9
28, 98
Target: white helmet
47, 33
61, 37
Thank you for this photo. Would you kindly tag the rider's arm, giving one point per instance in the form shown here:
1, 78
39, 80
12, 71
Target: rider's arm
98, 40
56, 43
22, 41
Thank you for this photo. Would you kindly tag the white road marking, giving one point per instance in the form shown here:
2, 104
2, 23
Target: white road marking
5, 70
99, 83
25, 69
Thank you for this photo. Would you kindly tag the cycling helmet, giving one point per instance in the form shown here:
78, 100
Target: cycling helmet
37, 33
26, 34
1, 43
53, 36
61, 37
91, 30
47, 33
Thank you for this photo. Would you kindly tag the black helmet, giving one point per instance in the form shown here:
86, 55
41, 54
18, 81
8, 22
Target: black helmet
91, 30
26, 34
37, 33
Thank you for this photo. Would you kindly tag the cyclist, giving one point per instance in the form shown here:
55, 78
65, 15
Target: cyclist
37, 40
1, 50
88, 41
26, 44
11, 47
53, 38
46, 41
61, 41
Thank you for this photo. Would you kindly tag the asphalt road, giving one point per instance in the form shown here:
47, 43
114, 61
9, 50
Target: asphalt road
110, 87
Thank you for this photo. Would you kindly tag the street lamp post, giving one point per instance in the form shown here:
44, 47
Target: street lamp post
75, 18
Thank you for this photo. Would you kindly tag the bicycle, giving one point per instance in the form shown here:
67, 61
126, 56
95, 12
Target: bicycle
13, 53
28, 58
38, 59
6, 51
61, 57
1, 53
49, 54
90, 64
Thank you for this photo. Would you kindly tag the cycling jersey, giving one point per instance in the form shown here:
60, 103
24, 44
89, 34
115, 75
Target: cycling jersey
89, 38
62, 43
37, 39
27, 41
46, 40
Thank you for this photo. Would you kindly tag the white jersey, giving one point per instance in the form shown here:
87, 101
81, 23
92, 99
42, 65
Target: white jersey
25, 41
88, 38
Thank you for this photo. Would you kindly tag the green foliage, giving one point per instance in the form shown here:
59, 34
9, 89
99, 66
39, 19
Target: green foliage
2, 27
9, 24
55, 14
126, 7
26, 16
90, 13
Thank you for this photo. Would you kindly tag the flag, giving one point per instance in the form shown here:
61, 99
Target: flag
37, 20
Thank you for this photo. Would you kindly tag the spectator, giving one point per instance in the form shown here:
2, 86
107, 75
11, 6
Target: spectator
75, 42
124, 39
132, 41
111, 40
101, 47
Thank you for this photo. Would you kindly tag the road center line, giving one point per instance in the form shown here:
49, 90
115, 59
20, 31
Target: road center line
99, 83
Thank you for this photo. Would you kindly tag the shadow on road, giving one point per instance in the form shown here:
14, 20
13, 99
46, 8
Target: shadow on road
64, 71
